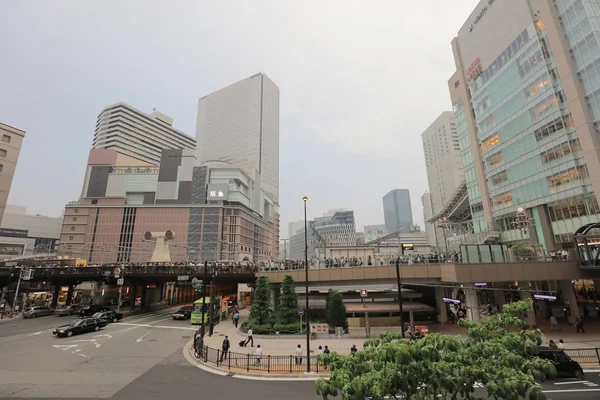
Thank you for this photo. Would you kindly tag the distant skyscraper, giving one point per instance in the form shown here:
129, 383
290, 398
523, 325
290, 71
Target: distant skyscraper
444, 169
134, 133
397, 212
240, 125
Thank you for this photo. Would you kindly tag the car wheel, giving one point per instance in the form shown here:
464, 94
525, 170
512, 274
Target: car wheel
96, 328
69, 334
115, 319
34, 315
579, 374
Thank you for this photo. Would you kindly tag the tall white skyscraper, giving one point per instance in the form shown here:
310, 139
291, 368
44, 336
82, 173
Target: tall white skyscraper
142, 136
444, 168
239, 124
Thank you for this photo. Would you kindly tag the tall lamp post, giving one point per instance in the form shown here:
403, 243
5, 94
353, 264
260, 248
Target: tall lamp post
305, 199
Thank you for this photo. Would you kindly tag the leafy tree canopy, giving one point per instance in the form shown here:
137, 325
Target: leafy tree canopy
288, 302
260, 311
335, 309
497, 353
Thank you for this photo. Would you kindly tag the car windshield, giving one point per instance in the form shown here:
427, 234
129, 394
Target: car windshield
97, 315
182, 310
77, 322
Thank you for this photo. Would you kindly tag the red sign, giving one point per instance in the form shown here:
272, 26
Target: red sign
474, 70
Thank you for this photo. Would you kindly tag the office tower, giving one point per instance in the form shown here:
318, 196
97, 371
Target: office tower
11, 140
134, 133
526, 99
397, 212
444, 169
294, 227
240, 125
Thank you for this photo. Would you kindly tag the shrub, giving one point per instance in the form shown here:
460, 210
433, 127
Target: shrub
287, 329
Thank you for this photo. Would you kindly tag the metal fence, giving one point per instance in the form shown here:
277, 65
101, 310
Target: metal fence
292, 364
585, 356
265, 363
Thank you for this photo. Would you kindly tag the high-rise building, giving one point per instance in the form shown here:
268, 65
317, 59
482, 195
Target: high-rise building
526, 99
240, 125
136, 134
397, 212
11, 140
294, 227
444, 169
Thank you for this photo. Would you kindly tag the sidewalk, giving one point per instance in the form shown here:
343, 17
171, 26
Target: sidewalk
287, 346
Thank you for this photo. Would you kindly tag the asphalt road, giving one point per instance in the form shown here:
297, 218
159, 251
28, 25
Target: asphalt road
141, 358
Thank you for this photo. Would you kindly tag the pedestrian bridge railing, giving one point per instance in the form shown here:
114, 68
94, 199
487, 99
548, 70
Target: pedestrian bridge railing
268, 364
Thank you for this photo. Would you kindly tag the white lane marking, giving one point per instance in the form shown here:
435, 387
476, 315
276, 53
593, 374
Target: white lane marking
162, 315
587, 383
571, 391
143, 336
40, 332
80, 354
161, 326
156, 322
65, 346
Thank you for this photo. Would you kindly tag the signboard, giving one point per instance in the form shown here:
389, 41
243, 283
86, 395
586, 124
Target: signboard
183, 277
14, 232
217, 191
81, 262
300, 312
408, 246
449, 300
363, 293
12, 249
27, 274
544, 297
117, 271
320, 328
120, 281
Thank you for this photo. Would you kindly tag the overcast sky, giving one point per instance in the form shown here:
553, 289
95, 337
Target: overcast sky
359, 83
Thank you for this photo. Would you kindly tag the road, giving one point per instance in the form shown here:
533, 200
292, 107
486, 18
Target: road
141, 357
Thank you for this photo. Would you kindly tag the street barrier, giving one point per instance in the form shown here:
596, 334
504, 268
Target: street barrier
590, 356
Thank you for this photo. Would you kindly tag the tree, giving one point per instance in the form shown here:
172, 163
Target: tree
335, 310
288, 302
260, 311
497, 355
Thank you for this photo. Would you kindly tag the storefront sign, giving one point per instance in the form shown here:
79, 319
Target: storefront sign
12, 249
474, 70
483, 11
13, 232
217, 191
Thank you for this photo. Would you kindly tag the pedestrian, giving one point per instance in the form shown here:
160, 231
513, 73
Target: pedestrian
353, 349
225, 348
258, 354
313, 333
249, 339
552, 345
326, 351
299, 355
320, 351
561, 344
579, 325
553, 323
236, 318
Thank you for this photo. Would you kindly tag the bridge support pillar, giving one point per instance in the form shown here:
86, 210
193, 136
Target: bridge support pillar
70, 294
442, 308
55, 295
472, 303
568, 296
531, 318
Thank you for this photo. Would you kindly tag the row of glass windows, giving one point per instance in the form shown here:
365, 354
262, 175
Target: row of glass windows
567, 179
563, 149
573, 208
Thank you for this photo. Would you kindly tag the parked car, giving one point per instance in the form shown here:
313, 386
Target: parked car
101, 322
67, 310
565, 366
34, 312
109, 316
88, 311
77, 326
183, 313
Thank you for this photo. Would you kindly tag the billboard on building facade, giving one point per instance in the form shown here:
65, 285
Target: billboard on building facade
12, 249
14, 232
217, 191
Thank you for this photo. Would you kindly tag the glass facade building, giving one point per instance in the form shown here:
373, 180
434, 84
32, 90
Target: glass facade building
526, 114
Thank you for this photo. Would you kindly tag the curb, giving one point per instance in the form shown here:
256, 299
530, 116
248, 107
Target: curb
187, 354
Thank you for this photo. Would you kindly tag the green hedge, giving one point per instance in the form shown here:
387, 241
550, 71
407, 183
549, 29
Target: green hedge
270, 329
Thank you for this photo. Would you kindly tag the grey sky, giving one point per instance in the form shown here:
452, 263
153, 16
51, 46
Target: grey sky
359, 83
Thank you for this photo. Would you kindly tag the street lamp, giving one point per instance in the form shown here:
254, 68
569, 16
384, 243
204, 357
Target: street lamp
305, 199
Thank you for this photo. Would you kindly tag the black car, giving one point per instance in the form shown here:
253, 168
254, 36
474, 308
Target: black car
68, 310
108, 316
88, 311
565, 366
78, 326
183, 313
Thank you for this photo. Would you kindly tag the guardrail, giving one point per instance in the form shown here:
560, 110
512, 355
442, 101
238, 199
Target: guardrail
585, 356
294, 365
266, 363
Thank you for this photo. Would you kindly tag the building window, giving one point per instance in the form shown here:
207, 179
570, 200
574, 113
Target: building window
6, 138
2, 153
498, 178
